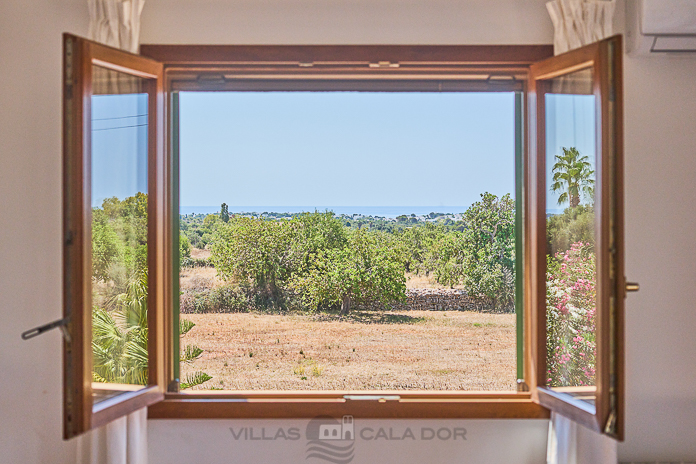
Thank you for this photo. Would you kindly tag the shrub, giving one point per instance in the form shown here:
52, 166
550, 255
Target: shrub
184, 247
195, 262
571, 317
573, 225
224, 299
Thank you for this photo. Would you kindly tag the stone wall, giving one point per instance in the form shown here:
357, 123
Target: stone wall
433, 299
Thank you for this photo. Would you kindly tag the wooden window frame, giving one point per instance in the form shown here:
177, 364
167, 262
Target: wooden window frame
375, 68
80, 411
171, 68
607, 414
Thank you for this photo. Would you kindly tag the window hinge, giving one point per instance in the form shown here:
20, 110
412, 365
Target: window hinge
60, 323
522, 386
378, 398
610, 427
173, 386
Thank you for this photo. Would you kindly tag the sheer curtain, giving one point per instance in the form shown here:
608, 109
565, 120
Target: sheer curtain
580, 22
571, 443
577, 23
123, 441
116, 23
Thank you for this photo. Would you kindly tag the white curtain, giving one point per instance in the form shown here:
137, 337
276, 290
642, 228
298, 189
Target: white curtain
116, 23
580, 22
123, 441
571, 443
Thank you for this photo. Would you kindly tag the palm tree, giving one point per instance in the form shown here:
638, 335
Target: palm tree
572, 175
119, 340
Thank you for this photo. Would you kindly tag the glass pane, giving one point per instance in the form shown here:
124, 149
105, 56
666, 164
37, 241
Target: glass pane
119, 232
570, 234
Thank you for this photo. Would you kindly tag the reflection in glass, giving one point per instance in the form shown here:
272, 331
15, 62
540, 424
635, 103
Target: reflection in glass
119, 232
571, 259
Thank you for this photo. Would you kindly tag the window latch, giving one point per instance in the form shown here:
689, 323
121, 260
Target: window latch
632, 286
384, 64
60, 323
378, 398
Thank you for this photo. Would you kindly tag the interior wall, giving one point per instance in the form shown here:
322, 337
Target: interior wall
660, 139
31, 415
660, 165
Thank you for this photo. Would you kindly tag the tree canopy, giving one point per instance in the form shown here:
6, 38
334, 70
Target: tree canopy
315, 261
573, 176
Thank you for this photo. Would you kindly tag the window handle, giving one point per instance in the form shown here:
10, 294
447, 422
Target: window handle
632, 286
60, 323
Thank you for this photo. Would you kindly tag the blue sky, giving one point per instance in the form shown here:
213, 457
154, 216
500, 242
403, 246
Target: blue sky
332, 148
344, 148
570, 122
119, 146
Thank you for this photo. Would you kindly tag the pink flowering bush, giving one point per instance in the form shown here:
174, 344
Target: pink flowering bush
571, 317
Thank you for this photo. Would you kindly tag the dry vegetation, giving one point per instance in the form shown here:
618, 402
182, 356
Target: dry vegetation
414, 350
376, 350
423, 281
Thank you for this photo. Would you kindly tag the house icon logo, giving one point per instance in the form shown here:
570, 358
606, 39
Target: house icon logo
342, 431
330, 440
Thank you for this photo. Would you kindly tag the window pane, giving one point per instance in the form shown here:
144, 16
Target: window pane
571, 272
347, 240
119, 232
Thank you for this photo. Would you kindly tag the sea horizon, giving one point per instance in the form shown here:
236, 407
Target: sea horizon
375, 211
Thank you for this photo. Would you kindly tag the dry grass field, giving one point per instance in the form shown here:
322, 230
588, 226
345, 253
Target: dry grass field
414, 350
399, 350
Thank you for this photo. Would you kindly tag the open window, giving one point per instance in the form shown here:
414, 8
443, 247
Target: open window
114, 239
121, 212
576, 270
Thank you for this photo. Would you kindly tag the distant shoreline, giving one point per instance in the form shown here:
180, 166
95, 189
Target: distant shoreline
374, 211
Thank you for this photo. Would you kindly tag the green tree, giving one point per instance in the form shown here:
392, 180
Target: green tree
482, 256
255, 251
447, 255
573, 225
119, 338
573, 176
312, 233
184, 247
189, 355
488, 269
369, 268
224, 213
210, 221
105, 247
418, 244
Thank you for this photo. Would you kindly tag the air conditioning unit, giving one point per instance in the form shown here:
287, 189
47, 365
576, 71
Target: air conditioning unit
660, 26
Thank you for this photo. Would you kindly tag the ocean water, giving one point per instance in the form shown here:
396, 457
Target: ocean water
375, 211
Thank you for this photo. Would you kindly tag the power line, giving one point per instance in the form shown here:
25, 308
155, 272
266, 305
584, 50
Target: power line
119, 117
122, 127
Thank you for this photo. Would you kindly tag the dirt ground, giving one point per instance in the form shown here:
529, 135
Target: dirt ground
407, 350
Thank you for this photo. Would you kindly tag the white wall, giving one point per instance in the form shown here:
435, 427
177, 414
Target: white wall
486, 441
660, 191
660, 107
30, 208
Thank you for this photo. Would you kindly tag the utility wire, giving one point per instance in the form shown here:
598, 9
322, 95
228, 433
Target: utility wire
122, 127
119, 117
